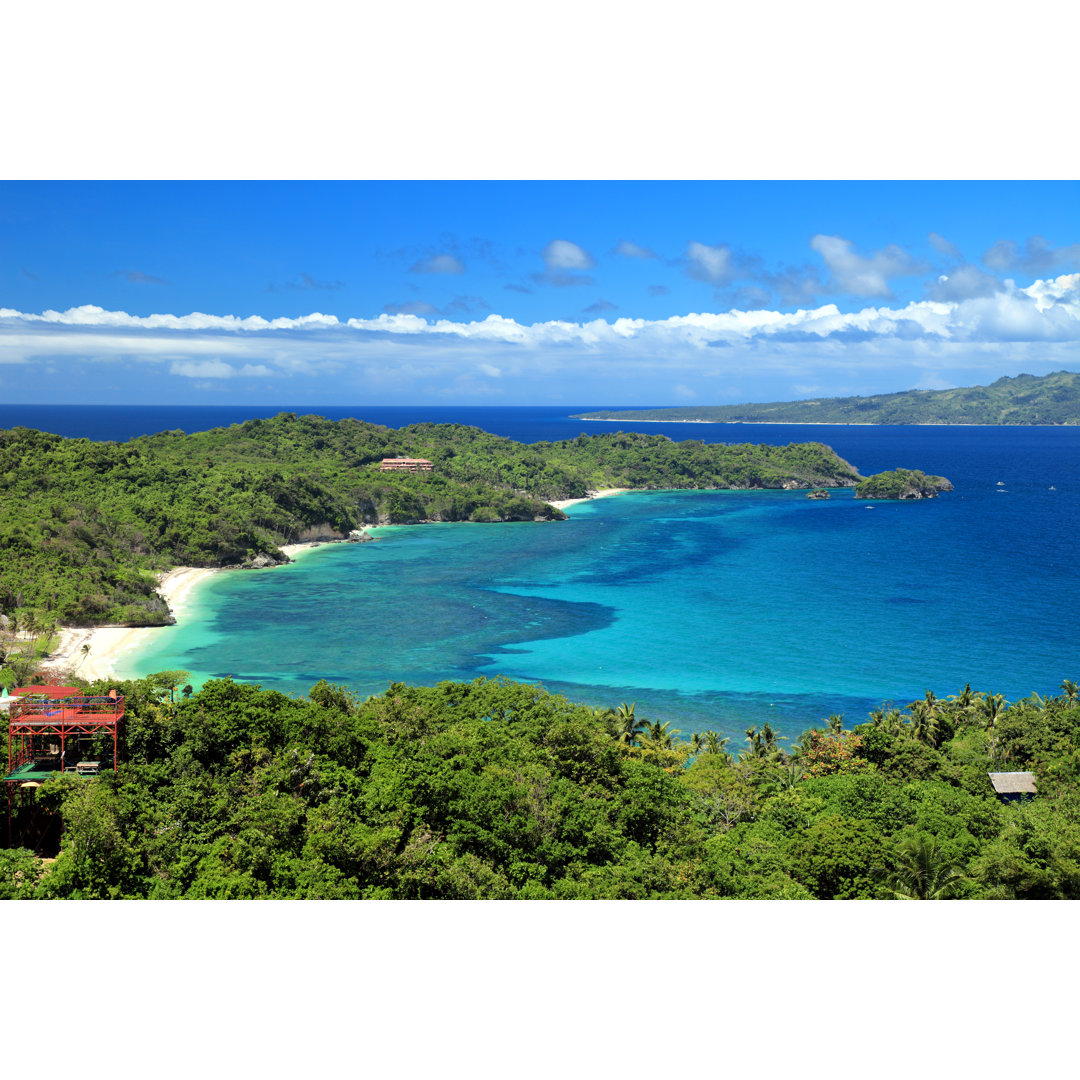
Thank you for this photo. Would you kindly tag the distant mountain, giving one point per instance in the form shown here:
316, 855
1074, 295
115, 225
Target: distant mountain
1023, 399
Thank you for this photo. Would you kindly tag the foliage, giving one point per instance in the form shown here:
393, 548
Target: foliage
87, 526
501, 790
901, 484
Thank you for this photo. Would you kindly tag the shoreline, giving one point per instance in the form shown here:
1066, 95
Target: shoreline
603, 493
107, 644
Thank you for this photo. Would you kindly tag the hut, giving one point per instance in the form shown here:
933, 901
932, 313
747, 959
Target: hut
1013, 786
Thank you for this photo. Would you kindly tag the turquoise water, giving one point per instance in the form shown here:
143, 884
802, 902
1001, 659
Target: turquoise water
709, 609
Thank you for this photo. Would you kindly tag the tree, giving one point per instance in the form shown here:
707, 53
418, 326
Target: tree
922, 871
1071, 691
993, 706
629, 727
714, 744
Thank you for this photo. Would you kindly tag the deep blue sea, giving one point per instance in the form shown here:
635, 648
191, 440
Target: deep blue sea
711, 609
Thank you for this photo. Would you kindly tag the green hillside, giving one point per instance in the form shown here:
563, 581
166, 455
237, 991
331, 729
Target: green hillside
1023, 399
85, 526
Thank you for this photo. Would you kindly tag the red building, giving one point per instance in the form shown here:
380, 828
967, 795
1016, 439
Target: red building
55, 729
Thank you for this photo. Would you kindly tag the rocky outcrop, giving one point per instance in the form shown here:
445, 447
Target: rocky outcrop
263, 560
817, 493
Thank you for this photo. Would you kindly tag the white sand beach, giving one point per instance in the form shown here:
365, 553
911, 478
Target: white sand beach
108, 643
562, 504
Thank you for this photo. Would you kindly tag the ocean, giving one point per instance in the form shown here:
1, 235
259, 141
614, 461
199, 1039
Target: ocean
714, 610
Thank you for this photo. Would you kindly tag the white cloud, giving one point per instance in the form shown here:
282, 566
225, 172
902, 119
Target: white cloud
963, 283
1029, 326
630, 250
943, 246
564, 255
713, 264
864, 275
1036, 257
216, 369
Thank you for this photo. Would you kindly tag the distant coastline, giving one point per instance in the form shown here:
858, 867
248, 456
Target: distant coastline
1012, 401
807, 423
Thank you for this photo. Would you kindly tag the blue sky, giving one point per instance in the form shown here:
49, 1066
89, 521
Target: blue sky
514, 292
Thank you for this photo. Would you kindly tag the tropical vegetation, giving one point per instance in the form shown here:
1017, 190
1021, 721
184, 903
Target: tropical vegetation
85, 527
495, 789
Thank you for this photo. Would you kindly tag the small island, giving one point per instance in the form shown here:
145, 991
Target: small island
901, 484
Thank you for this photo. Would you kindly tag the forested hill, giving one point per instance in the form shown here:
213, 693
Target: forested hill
85, 526
499, 790
1024, 399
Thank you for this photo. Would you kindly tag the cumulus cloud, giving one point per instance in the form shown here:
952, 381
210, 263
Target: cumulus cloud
630, 250
438, 264
564, 255
1032, 326
943, 246
1035, 257
963, 283
137, 277
864, 275
713, 264
795, 286
490, 370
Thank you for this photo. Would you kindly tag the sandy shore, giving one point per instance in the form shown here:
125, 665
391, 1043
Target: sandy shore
108, 643
562, 504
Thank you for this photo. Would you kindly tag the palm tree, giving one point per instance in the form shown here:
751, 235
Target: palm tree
1072, 691
923, 871
926, 719
836, 724
629, 727
714, 744
757, 746
993, 705
660, 737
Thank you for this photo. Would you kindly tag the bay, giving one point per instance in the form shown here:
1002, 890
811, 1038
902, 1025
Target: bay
712, 610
